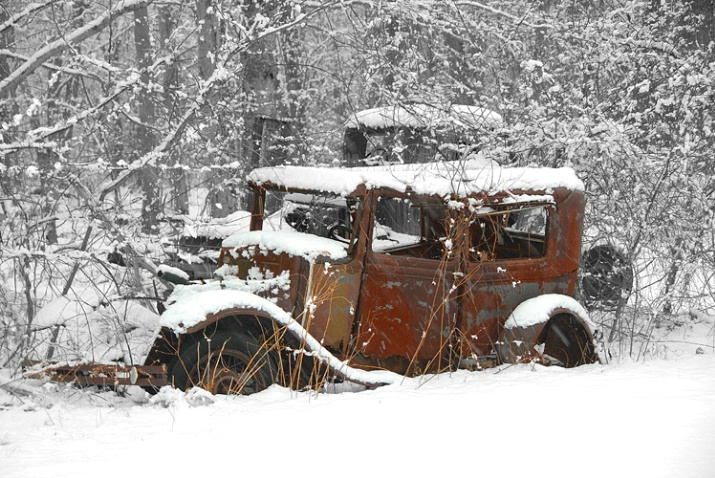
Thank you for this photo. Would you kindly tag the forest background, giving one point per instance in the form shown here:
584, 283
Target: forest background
118, 117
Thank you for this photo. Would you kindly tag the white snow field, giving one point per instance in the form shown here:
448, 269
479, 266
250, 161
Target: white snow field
633, 419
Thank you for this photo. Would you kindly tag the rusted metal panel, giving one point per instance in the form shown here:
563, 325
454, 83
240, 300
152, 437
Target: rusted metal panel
408, 310
331, 290
322, 295
254, 264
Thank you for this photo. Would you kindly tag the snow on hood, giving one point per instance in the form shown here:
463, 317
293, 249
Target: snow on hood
475, 176
293, 243
425, 116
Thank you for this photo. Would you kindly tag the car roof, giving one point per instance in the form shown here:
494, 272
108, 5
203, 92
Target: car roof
461, 178
425, 116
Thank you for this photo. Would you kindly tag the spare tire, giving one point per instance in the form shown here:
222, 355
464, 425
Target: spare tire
606, 276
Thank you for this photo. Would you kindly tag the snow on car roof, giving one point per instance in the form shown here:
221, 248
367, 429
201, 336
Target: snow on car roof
459, 177
425, 116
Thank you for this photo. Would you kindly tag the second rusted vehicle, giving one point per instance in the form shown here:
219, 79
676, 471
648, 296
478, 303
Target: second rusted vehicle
376, 273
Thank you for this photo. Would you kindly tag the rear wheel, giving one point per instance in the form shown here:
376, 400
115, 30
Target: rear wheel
224, 363
566, 343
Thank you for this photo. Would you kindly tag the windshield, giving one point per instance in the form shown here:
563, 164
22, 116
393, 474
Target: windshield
319, 214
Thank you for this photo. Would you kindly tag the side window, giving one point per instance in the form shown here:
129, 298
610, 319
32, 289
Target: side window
518, 233
408, 226
397, 224
354, 145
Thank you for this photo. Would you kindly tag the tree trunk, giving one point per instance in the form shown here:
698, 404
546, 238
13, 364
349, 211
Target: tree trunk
145, 136
56, 112
220, 200
8, 109
290, 146
177, 176
208, 40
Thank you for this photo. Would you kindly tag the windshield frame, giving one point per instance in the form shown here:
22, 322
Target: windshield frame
355, 205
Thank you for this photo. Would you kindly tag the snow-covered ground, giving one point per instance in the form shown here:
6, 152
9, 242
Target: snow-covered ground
633, 419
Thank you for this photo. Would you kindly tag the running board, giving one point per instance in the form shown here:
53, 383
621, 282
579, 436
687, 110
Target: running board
99, 374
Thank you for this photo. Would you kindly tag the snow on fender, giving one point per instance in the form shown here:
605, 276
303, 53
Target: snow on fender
192, 309
551, 328
540, 309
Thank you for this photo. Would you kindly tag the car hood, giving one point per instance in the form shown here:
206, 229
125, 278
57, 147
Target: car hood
293, 243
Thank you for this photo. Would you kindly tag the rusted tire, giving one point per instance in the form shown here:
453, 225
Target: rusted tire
225, 363
566, 343
607, 275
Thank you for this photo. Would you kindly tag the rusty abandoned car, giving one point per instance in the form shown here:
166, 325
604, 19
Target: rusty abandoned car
368, 274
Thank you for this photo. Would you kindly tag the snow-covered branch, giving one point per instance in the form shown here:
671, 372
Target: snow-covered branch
29, 10
428, 5
50, 66
6, 148
299, 20
502, 13
37, 135
58, 46
169, 138
660, 46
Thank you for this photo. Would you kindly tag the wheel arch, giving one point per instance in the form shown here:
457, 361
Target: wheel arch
254, 322
529, 324
188, 318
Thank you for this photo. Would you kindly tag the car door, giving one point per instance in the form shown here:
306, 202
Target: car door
407, 305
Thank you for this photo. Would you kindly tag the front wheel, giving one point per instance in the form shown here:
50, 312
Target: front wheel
224, 363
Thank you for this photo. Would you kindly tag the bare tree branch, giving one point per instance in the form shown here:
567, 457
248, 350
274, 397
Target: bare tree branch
58, 46
496, 11
29, 10
50, 66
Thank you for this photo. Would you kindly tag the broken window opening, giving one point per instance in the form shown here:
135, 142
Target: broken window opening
516, 233
409, 226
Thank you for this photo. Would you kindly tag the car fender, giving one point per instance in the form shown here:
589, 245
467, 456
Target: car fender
523, 330
193, 313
